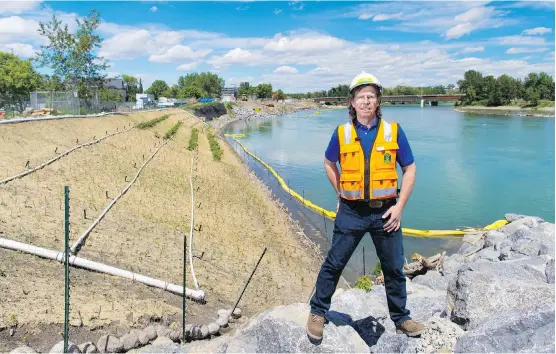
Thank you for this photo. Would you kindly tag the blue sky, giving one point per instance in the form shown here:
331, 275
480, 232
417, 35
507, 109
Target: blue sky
303, 45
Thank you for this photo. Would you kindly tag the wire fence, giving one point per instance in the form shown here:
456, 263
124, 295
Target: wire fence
57, 103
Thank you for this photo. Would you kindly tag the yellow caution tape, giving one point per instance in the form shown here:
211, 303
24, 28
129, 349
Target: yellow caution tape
332, 215
235, 135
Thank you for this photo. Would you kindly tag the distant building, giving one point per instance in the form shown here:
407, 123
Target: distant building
229, 94
119, 86
143, 100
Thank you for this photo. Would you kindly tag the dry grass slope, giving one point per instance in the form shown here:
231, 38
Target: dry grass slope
144, 231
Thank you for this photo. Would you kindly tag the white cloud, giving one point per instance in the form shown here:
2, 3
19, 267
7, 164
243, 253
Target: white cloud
470, 20
519, 40
386, 17
525, 50
15, 28
237, 56
178, 53
20, 49
277, 11
127, 45
187, 67
537, 30
471, 50
365, 16
450, 19
284, 69
304, 43
153, 9
18, 7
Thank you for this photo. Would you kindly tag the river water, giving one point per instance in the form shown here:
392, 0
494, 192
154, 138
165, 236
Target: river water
471, 170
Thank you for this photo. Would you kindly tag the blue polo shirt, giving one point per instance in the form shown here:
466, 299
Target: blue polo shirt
404, 156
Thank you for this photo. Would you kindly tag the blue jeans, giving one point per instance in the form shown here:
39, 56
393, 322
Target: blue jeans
353, 221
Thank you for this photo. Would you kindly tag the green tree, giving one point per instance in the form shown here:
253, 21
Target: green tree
532, 95
545, 85
17, 80
244, 89
264, 91
51, 83
191, 92
140, 86
108, 95
157, 88
171, 92
208, 83
132, 86
506, 89
472, 85
72, 56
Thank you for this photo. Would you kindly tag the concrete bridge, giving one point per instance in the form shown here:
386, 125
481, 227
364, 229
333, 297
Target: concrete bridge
431, 100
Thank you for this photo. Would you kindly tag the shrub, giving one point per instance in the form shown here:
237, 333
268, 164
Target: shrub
193, 139
364, 282
151, 123
214, 146
170, 133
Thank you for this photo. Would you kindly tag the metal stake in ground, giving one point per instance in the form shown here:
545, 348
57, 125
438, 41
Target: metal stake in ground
248, 280
183, 299
66, 263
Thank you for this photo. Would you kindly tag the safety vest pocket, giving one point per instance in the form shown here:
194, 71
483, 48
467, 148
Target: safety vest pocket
384, 184
351, 185
350, 155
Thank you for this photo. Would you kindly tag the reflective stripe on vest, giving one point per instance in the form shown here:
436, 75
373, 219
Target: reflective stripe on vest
351, 194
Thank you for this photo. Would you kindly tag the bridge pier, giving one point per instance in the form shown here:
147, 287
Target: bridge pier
422, 102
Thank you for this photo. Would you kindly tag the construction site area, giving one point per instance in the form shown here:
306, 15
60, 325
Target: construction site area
135, 182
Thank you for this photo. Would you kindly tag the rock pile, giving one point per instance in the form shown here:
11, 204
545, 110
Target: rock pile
155, 338
495, 295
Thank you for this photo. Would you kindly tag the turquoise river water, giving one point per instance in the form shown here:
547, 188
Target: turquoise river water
471, 170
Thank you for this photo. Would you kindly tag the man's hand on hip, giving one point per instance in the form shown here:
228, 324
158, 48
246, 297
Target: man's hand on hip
395, 214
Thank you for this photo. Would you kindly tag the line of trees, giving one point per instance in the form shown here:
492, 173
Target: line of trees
194, 85
260, 91
503, 90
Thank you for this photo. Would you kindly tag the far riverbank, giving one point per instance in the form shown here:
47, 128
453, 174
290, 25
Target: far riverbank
547, 112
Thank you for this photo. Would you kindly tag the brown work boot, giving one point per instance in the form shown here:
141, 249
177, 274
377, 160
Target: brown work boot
411, 328
315, 327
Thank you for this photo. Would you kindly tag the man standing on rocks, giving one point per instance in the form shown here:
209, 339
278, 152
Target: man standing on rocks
367, 149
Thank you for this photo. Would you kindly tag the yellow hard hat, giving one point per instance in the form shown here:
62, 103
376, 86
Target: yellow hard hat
364, 79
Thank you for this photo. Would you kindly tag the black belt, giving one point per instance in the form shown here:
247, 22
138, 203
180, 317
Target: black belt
373, 203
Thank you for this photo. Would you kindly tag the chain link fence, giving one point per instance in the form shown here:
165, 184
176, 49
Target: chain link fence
56, 103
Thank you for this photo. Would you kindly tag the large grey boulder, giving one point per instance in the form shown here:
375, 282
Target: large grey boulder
433, 280
23, 350
549, 271
475, 296
59, 348
282, 329
109, 344
439, 334
511, 217
510, 332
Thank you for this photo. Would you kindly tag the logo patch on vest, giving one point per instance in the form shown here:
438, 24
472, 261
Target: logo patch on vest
387, 158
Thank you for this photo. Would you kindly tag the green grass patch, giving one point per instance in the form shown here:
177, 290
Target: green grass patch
193, 139
151, 123
214, 146
170, 133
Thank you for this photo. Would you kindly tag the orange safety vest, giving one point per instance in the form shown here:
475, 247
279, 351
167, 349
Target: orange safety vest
372, 178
